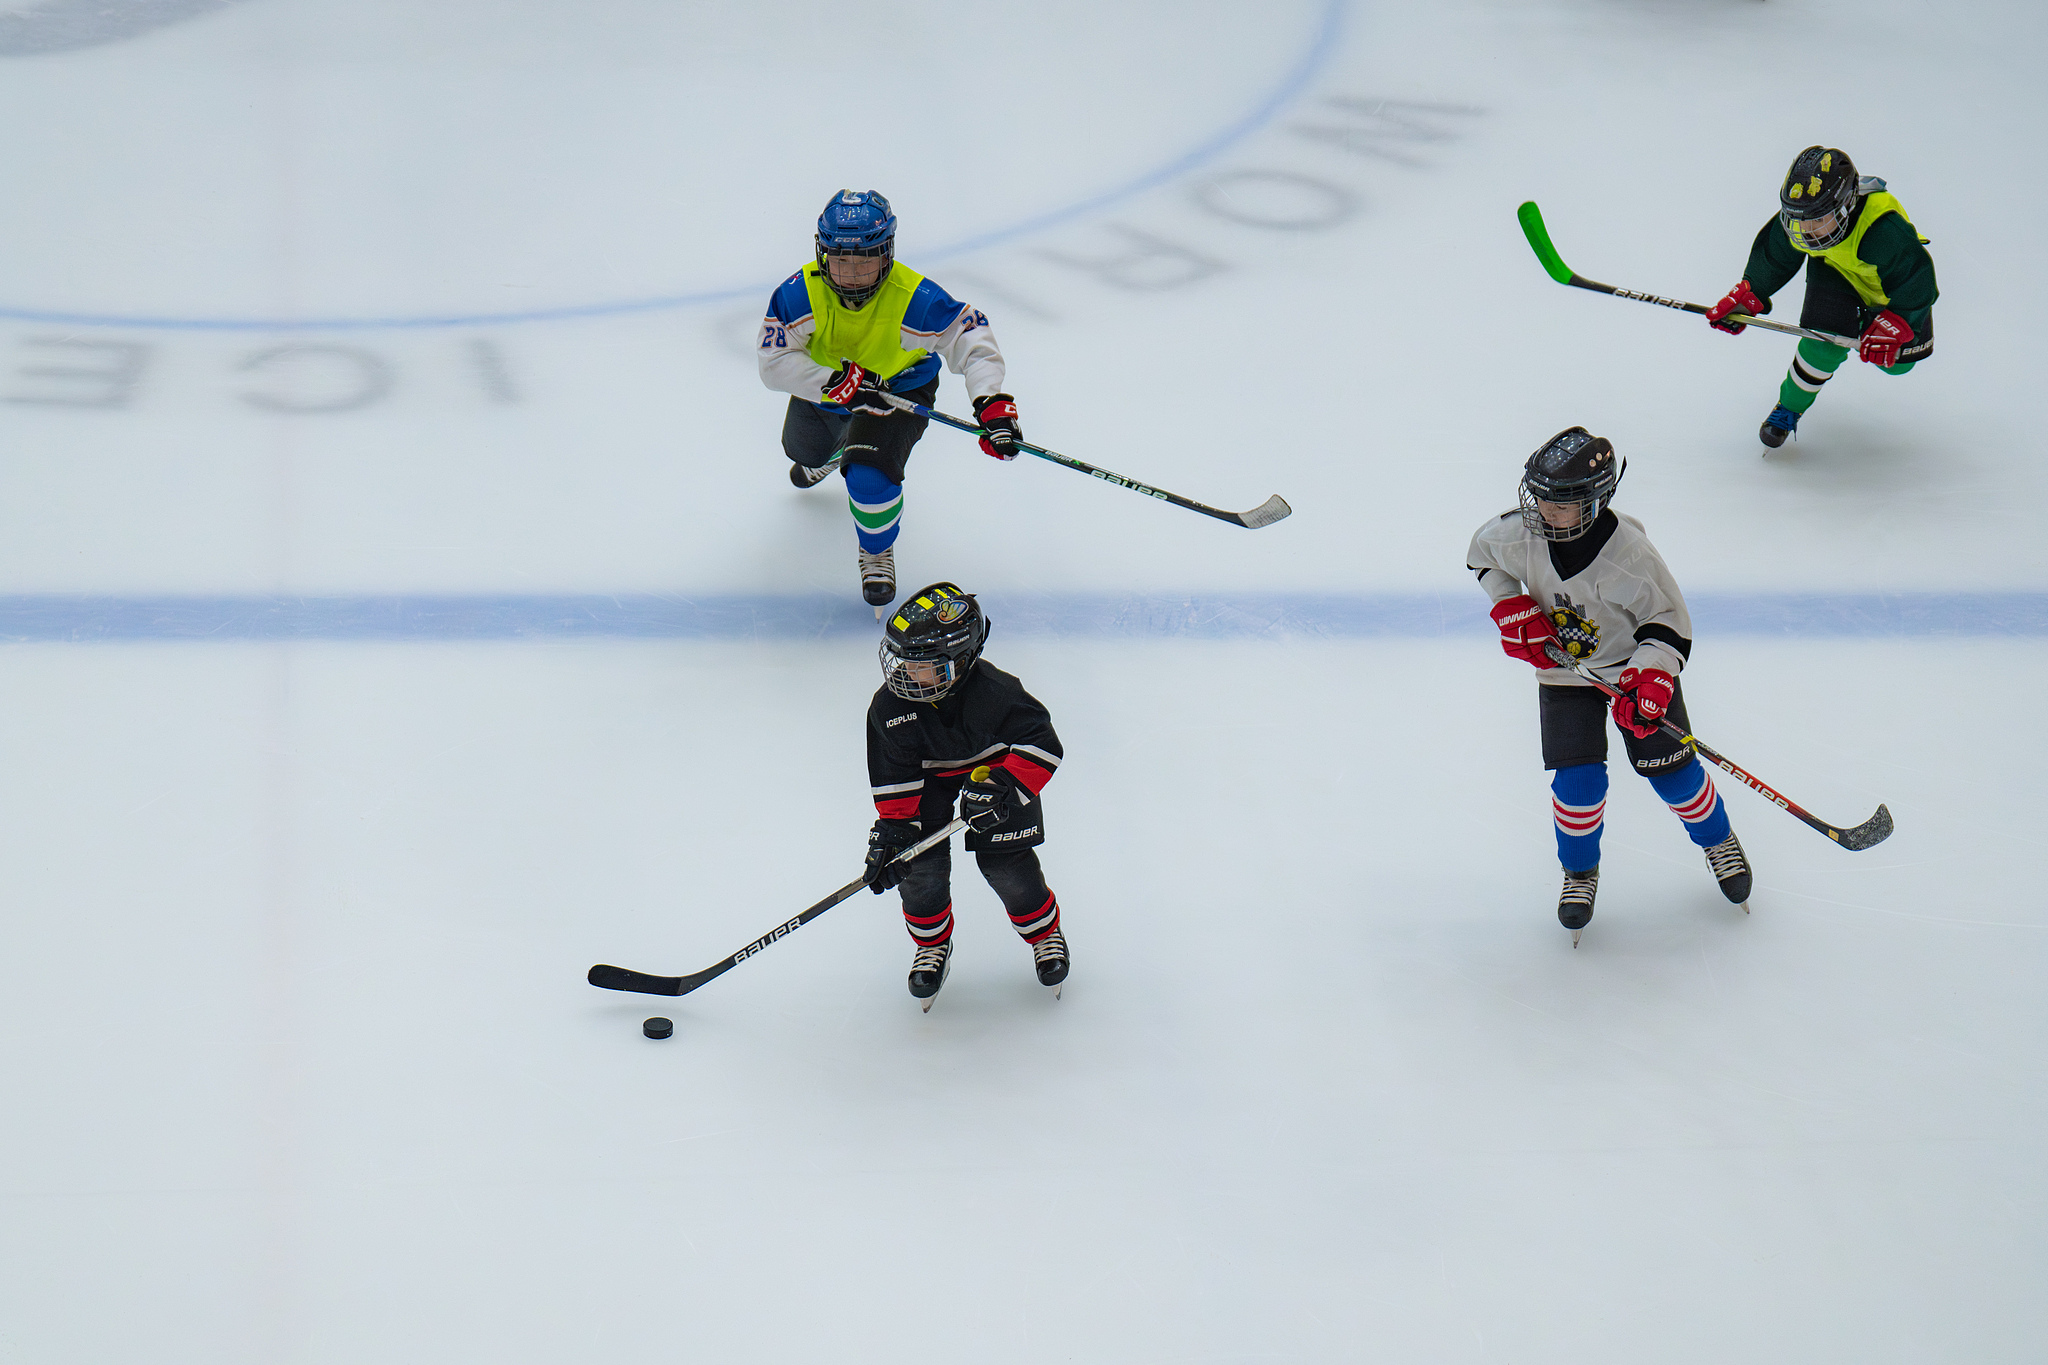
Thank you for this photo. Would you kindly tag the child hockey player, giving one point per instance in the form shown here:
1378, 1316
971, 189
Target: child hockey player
1566, 570
941, 714
852, 325
1868, 275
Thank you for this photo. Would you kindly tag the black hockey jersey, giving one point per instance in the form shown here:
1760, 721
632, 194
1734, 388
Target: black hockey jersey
988, 718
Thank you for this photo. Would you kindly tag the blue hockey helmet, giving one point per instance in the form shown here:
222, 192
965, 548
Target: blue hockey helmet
857, 223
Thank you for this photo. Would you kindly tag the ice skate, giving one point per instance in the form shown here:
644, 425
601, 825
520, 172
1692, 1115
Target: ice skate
1575, 902
928, 971
1049, 955
1780, 424
878, 578
1730, 867
804, 476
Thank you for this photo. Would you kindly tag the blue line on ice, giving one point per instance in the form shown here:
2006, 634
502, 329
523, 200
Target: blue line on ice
1305, 68
1279, 616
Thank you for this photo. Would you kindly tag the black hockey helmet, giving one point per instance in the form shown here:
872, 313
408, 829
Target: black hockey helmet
1574, 467
931, 642
1817, 202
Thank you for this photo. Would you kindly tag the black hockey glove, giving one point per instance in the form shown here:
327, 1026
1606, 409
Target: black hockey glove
887, 839
989, 802
997, 415
853, 387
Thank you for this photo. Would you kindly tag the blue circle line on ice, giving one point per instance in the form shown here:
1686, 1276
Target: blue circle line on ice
1297, 79
1276, 616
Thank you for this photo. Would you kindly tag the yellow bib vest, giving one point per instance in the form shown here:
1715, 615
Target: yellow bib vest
871, 337
1843, 257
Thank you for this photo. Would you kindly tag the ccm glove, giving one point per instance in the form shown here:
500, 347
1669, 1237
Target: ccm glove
850, 384
1644, 701
990, 801
887, 839
1524, 629
1883, 338
997, 415
1740, 299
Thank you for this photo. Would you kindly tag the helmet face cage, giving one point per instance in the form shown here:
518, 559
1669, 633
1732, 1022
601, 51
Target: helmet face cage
1817, 203
940, 673
1572, 468
856, 223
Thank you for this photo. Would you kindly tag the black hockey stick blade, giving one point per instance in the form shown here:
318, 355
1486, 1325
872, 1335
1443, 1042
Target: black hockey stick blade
620, 979
1869, 834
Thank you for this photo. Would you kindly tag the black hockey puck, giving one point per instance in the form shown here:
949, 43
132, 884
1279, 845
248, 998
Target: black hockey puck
658, 1027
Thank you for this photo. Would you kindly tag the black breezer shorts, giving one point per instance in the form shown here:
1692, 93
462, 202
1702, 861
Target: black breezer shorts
1575, 731
1024, 829
812, 435
1832, 305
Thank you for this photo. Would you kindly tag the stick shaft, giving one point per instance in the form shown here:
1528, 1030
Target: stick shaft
1265, 515
1531, 219
1754, 783
621, 979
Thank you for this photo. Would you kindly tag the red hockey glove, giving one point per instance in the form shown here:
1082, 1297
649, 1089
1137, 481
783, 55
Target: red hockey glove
848, 384
1883, 338
997, 414
1644, 701
1741, 299
1524, 630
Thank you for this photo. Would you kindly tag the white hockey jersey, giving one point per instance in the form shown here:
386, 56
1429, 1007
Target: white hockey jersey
1619, 610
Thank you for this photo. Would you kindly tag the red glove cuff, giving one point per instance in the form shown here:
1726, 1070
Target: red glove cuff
1882, 340
1524, 629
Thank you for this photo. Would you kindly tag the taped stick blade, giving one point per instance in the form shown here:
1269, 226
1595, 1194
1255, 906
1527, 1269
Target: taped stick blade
1266, 513
1539, 241
1870, 833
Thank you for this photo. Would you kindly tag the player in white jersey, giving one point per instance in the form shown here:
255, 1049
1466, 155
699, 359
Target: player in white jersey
1565, 569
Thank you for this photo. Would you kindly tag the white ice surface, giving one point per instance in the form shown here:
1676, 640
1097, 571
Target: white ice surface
296, 1059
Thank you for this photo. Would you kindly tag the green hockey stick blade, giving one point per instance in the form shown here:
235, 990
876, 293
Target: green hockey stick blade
1539, 242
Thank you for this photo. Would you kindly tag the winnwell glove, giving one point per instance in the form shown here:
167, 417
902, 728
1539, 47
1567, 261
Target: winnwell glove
1883, 338
1644, 701
997, 415
989, 802
1524, 629
887, 839
1740, 299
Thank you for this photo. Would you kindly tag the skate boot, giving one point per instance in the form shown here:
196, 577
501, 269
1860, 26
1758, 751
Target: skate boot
928, 970
1575, 902
878, 578
1049, 955
804, 476
1781, 423
1730, 867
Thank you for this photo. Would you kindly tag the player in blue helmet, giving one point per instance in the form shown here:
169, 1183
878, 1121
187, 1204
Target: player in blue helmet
853, 325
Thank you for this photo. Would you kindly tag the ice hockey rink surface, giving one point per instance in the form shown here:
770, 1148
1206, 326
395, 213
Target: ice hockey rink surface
404, 608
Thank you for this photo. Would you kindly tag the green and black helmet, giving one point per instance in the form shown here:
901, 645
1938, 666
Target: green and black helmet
1817, 202
932, 642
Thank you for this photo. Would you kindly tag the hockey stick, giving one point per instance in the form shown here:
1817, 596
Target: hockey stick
620, 979
1266, 513
1870, 833
1539, 239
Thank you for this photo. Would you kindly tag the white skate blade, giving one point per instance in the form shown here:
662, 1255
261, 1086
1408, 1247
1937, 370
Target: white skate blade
1575, 936
928, 1000
878, 613
1057, 989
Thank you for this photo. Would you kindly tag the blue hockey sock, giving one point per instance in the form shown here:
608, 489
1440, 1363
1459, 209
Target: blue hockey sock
1690, 793
877, 506
1578, 803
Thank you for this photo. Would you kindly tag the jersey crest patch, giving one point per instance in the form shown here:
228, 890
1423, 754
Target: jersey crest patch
1580, 637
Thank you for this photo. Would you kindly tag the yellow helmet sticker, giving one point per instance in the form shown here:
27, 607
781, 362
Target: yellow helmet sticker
901, 623
1827, 161
1813, 185
925, 602
1792, 193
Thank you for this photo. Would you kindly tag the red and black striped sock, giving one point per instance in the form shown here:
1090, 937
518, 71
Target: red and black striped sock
930, 930
1035, 926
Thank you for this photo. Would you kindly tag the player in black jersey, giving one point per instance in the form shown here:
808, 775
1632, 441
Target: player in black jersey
942, 714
